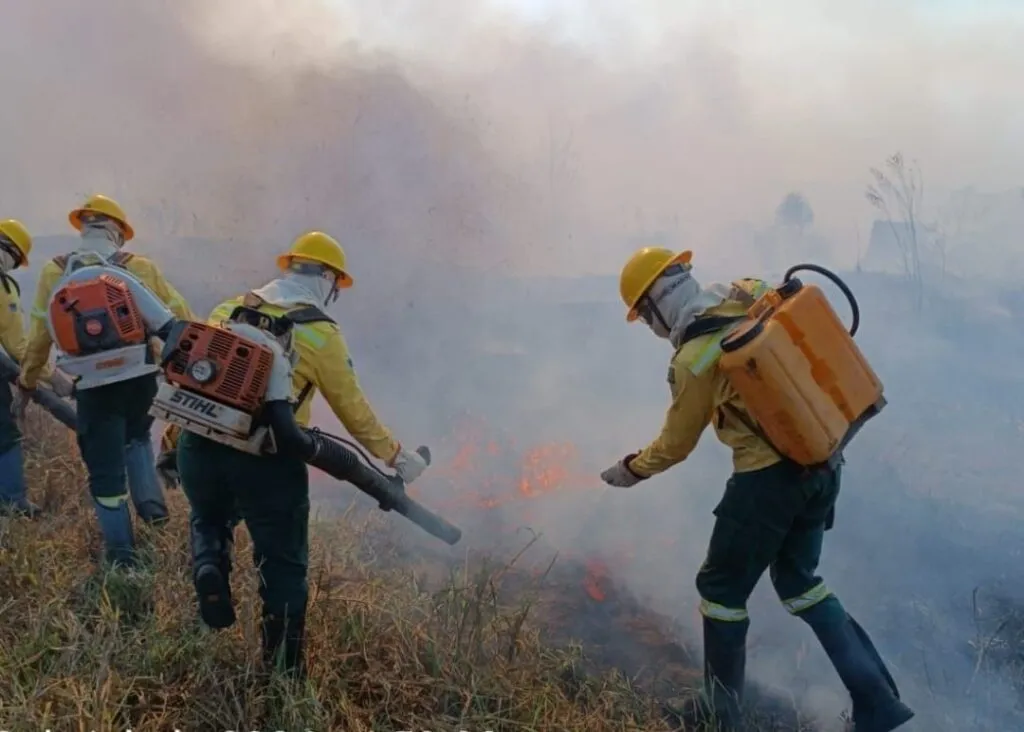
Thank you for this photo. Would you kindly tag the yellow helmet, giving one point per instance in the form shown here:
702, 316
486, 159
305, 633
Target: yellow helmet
99, 204
18, 235
641, 271
316, 246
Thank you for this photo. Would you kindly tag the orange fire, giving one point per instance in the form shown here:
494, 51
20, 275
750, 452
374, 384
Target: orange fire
543, 470
483, 475
595, 580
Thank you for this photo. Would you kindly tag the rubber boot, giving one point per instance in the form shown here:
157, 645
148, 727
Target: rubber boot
118, 538
283, 638
143, 483
718, 706
13, 498
211, 573
876, 703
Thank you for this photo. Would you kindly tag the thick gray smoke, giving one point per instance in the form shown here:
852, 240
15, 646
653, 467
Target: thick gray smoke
490, 165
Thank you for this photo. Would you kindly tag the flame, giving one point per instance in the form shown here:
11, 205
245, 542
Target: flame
488, 471
595, 579
483, 473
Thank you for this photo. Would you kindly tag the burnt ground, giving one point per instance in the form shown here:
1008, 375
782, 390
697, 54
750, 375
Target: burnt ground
577, 603
582, 604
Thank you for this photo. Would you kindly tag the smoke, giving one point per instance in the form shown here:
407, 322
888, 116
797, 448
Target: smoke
451, 145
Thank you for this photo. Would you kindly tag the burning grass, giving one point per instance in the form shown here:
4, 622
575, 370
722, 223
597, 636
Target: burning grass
397, 640
388, 651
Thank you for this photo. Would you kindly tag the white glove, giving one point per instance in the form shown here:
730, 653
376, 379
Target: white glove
62, 385
409, 465
620, 476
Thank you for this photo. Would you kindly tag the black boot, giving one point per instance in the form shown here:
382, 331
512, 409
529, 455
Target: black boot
283, 639
876, 702
718, 707
211, 573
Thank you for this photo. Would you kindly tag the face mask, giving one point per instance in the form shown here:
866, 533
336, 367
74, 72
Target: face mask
319, 278
660, 305
102, 236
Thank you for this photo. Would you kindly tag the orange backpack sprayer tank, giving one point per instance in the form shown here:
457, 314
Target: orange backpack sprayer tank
799, 372
101, 318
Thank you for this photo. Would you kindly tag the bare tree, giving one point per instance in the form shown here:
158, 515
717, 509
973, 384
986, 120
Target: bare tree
898, 191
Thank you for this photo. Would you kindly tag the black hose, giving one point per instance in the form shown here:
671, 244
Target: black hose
325, 452
61, 410
854, 307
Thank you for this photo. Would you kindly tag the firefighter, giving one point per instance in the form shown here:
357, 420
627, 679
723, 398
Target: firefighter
113, 420
773, 515
271, 492
15, 245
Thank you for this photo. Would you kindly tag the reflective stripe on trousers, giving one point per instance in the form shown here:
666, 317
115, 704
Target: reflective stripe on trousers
808, 599
714, 611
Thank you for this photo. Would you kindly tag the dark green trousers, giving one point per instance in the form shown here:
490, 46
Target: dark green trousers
771, 519
271, 494
109, 417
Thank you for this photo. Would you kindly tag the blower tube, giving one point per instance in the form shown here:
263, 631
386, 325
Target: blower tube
326, 453
60, 409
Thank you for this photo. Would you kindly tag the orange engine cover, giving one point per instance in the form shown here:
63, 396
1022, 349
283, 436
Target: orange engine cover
95, 315
241, 368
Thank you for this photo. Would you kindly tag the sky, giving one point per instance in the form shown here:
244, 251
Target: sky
701, 113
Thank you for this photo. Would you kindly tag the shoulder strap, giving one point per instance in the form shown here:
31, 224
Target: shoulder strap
61, 260
8, 281
303, 395
309, 314
710, 324
121, 258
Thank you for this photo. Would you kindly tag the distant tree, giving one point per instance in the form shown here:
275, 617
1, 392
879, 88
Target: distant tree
794, 212
898, 191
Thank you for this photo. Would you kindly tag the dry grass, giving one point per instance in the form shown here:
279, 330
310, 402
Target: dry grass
88, 650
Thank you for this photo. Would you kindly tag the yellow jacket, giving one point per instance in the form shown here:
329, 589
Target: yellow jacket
12, 329
699, 392
37, 352
323, 364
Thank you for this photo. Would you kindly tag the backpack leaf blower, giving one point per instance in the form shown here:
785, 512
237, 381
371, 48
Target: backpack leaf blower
232, 384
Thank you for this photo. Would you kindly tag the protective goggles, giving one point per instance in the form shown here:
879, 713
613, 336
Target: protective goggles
92, 218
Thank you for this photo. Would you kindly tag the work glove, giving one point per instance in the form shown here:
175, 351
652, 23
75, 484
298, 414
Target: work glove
408, 464
62, 385
167, 469
620, 476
